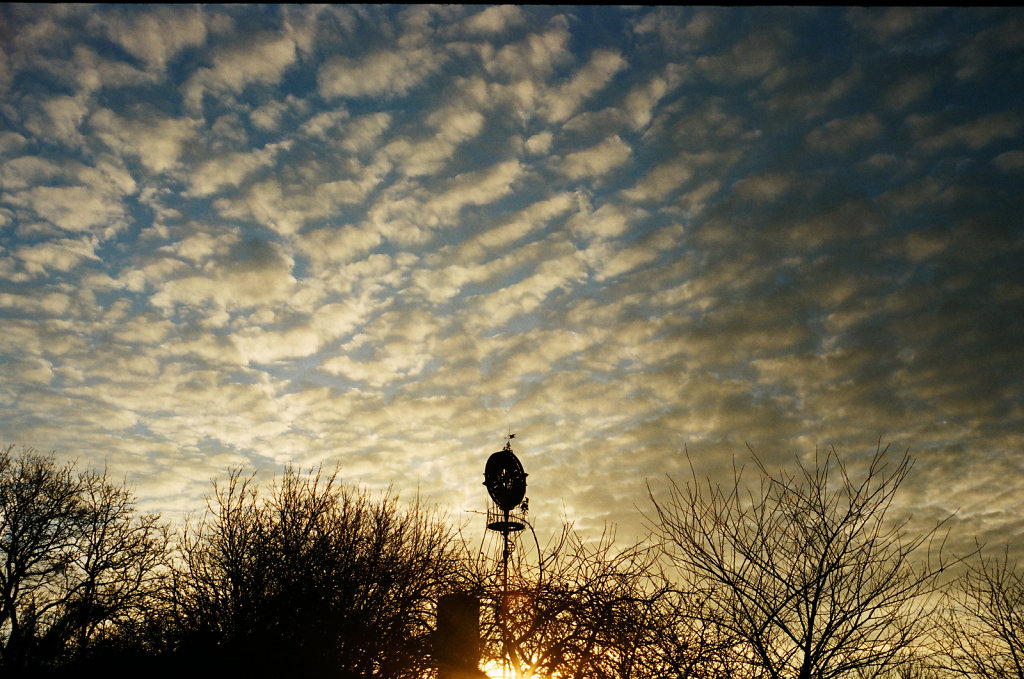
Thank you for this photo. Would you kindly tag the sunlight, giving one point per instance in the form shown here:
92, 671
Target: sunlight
496, 670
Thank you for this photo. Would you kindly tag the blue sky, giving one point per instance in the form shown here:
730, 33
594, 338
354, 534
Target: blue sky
384, 236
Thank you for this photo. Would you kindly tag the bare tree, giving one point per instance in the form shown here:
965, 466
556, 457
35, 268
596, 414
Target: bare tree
76, 560
808, 569
589, 608
683, 642
315, 577
983, 623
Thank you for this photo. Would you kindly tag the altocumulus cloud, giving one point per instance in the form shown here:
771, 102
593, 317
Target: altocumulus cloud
384, 235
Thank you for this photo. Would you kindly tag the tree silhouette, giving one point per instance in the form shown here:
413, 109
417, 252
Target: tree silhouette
807, 571
315, 578
983, 623
592, 608
76, 561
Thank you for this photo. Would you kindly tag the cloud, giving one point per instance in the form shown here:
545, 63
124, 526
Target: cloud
261, 59
975, 134
254, 272
765, 187
608, 221
534, 58
157, 34
157, 141
64, 114
677, 29
882, 26
383, 236
561, 269
477, 188
256, 345
845, 134
397, 345
58, 255
602, 66
383, 73
909, 90
287, 208
662, 180
539, 143
232, 169
642, 100
494, 20
269, 116
753, 56
73, 208
1009, 160
596, 160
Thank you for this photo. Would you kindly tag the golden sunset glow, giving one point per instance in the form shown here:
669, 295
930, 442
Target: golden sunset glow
383, 236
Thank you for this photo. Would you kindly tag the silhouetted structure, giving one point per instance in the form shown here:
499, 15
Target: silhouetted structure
457, 640
506, 484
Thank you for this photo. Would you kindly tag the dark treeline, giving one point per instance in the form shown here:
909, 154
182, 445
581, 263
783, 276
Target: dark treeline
800, 575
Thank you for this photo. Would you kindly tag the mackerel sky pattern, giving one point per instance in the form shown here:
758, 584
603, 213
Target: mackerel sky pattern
383, 237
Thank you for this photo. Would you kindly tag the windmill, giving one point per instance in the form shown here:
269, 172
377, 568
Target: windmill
505, 480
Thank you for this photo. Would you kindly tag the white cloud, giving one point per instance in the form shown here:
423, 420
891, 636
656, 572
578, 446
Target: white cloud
495, 19
158, 34
42, 304
11, 142
642, 100
596, 160
64, 116
751, 57
92, 72
882, 26
232, 169
286, 208
25, 171
477, 188
562, 103
57, 255
363, 133
677, 29
398, 360
562, 269
328, 246
534, 58
379, 74
457, 124
157, 141
262, 59
419, 157
256, 345
661, 180
74, 208
608, 261
539, 143
606, 222
255, 273
528, 220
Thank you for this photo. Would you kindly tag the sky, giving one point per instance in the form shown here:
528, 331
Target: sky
640, 238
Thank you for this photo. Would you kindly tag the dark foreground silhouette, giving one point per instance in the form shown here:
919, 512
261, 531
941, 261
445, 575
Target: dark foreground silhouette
802, 573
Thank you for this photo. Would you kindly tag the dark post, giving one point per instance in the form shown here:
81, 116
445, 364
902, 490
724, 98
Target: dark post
457, 639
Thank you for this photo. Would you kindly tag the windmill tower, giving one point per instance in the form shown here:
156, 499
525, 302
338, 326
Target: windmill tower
507, 512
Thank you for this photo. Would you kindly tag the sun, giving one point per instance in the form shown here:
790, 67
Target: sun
496, 670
